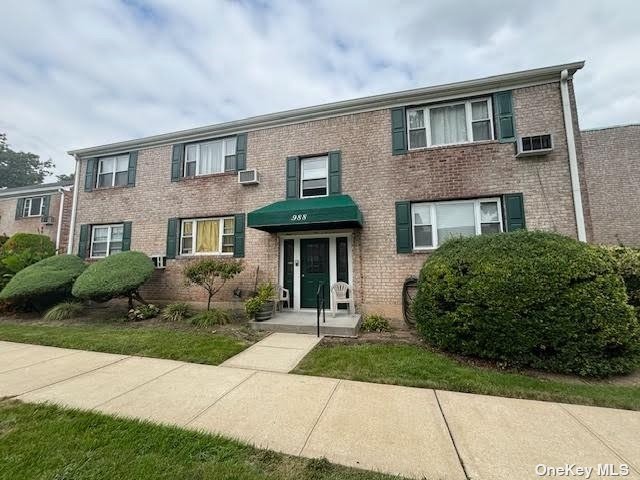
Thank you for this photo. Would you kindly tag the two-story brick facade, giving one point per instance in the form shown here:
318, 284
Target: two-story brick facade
359, 191
44, 209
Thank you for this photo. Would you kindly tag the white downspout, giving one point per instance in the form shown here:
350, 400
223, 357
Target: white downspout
74, 208
573, 158
60, 210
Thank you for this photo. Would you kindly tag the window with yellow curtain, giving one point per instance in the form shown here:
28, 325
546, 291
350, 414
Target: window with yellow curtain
208, 236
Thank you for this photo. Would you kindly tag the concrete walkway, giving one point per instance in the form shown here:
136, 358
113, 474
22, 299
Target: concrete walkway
419, 433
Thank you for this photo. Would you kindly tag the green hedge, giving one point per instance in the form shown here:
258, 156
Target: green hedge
529, 299
48, 280
628, 262
22, 250
119, 275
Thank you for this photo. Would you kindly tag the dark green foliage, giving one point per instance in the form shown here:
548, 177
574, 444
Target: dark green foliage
19, 169
211, 274
22, 250
529, 299
143, 312
3, 240
209, 318
628, 262
375, 323
64, 311
118, 275
48, 280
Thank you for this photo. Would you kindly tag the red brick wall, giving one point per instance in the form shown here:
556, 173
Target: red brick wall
612, 172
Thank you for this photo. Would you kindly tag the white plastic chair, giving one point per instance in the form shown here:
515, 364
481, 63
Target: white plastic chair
339, 292
283, 296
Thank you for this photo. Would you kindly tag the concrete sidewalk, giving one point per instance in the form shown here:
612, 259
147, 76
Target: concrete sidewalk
419, 433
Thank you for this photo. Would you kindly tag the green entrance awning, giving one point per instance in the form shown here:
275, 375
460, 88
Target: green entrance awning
334, 211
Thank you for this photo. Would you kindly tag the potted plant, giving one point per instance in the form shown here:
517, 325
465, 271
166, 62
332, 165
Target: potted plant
262, 305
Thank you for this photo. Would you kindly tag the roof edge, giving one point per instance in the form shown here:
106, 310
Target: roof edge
41, 188
343, 107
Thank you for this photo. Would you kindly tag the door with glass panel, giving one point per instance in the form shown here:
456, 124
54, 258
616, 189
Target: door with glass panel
314, 270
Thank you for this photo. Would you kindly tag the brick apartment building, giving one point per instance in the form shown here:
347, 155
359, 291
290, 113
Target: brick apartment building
43, 209
359, 191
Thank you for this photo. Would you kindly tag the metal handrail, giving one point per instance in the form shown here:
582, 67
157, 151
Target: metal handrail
320, 303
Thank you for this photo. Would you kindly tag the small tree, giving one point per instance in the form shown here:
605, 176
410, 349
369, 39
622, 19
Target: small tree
211, 274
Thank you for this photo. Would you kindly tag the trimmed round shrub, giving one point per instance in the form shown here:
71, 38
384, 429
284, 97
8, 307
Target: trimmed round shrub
22, 250
118, 275
628, 262
529, 299
48, 280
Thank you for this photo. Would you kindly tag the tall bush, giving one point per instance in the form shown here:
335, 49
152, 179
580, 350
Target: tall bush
22, 250
44, 282
628, 263
118, 275
529, 299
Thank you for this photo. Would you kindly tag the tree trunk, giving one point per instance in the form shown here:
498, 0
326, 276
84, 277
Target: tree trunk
137, 296
209, 302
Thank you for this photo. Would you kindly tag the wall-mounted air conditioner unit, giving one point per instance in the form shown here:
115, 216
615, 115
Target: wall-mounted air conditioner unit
46, 220
248, 177
535, 145
159, 261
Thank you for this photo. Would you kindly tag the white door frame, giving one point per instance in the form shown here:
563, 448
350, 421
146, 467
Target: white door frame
333, 273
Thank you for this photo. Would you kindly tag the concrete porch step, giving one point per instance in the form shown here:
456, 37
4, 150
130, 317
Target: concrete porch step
342, 325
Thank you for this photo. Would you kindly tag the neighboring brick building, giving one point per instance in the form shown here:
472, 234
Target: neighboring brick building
379, 170
37, 209
612, 165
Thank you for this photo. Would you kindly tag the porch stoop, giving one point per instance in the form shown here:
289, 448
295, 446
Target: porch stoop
342, 325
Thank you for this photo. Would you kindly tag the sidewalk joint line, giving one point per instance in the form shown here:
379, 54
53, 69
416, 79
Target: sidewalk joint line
74, 376
41, 361
455, 447
205, 410
138, 386
598, 437
306, 440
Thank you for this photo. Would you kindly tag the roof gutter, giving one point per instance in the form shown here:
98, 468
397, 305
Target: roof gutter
377, 102
573, 158
74, 208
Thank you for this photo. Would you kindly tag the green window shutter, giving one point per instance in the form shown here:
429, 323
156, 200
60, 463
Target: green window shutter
238, 235
293, 183
46, 202
335, 167
514, 212
398, 131
133, 165
241, 151
505, 121
19, 208
90, 174
83, 242
177, 156
126, 236
172, 237
404, 243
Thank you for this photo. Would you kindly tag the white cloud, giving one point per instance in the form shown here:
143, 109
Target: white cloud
76, 74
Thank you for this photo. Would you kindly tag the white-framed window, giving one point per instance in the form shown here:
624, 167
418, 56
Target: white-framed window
113, 171
314, 175
33, 207
206, 236
106, 240
435, 222
214, 156
450, 123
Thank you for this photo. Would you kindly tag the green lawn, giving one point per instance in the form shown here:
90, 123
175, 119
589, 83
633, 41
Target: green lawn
416, 366
147, 341
38, 441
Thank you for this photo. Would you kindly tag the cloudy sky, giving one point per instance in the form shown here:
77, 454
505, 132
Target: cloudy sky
76, 74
